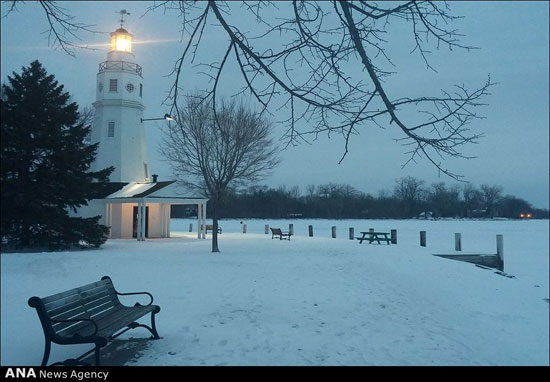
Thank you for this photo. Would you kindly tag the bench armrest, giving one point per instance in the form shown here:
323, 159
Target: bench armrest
80, 320
136, 293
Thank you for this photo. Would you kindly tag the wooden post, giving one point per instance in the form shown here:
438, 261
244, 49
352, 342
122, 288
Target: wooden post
267, 229
371, 229
393, 236
500, 252
458, 242
190, 227
334, 232
422, 238
310, 229
351, 233
291, 229
244, 228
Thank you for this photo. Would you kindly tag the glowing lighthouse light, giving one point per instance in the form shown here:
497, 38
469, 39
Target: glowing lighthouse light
121, 40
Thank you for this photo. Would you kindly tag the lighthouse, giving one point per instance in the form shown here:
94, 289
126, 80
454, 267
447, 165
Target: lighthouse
118, 125
133, 204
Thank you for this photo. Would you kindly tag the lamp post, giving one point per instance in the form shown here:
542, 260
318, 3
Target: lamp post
166, 117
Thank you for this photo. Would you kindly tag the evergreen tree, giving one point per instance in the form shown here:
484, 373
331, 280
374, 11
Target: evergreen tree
45, 165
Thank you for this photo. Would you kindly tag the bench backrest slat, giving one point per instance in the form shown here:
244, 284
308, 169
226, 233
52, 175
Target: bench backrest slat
56, 308
68, 328
276, 231
86, 328
60, 307
64, 300
99, 314
50, 299
107, 304
115, 320
92, 301
83, 328
68, 314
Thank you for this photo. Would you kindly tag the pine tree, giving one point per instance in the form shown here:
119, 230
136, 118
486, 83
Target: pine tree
45, 165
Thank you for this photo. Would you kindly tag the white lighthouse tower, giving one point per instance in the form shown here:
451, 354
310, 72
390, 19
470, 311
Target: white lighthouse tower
133, 204
118, 125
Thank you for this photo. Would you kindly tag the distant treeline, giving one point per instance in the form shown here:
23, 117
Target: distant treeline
410, 198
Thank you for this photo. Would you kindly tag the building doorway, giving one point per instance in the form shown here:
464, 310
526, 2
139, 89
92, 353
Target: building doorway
135, 220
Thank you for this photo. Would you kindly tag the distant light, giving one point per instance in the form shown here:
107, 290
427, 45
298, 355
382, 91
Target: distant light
520, 215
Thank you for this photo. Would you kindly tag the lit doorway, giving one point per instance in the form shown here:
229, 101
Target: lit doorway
135, 220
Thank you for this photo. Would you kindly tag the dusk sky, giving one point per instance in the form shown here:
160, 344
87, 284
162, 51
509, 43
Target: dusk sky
512, 37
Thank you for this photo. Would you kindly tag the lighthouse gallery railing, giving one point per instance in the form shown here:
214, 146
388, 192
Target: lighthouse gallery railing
120, 65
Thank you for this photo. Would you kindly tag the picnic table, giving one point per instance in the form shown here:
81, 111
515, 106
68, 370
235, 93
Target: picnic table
372, 236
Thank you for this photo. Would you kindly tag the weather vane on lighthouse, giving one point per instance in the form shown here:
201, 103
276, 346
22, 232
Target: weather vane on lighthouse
122, 13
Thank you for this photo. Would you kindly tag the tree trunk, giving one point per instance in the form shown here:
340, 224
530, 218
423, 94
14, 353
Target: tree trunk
215, 227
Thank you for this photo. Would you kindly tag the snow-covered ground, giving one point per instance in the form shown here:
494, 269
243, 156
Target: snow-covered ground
308, 301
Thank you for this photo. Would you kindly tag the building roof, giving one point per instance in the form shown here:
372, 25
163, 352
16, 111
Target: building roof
138, 190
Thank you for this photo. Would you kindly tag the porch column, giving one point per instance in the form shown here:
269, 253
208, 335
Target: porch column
204, 214
108, 217
168, 212
162, 220
143, 219
199, 221
138, 223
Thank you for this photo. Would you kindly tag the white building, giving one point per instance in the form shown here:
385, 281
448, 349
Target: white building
134, 204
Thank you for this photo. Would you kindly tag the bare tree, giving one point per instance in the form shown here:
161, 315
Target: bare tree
64, 31
491, 196
472, 198
410, 192
308, 52
86, 117
211, 149
444, 201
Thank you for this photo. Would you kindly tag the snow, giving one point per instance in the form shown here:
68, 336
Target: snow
308, 301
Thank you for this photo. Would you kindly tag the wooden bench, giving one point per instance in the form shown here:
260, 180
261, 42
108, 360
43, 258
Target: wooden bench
90, 314
371, 236
211, 228
278, 232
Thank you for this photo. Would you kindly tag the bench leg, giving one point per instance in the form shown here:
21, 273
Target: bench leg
46, 356
152, 328
97, 349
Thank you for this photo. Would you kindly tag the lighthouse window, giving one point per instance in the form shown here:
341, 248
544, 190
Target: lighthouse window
140, 90
111, 130
113, 85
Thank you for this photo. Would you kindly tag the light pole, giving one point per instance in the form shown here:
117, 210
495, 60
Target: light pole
166, 117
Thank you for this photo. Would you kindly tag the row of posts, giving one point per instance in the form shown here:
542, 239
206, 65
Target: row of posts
393, 235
